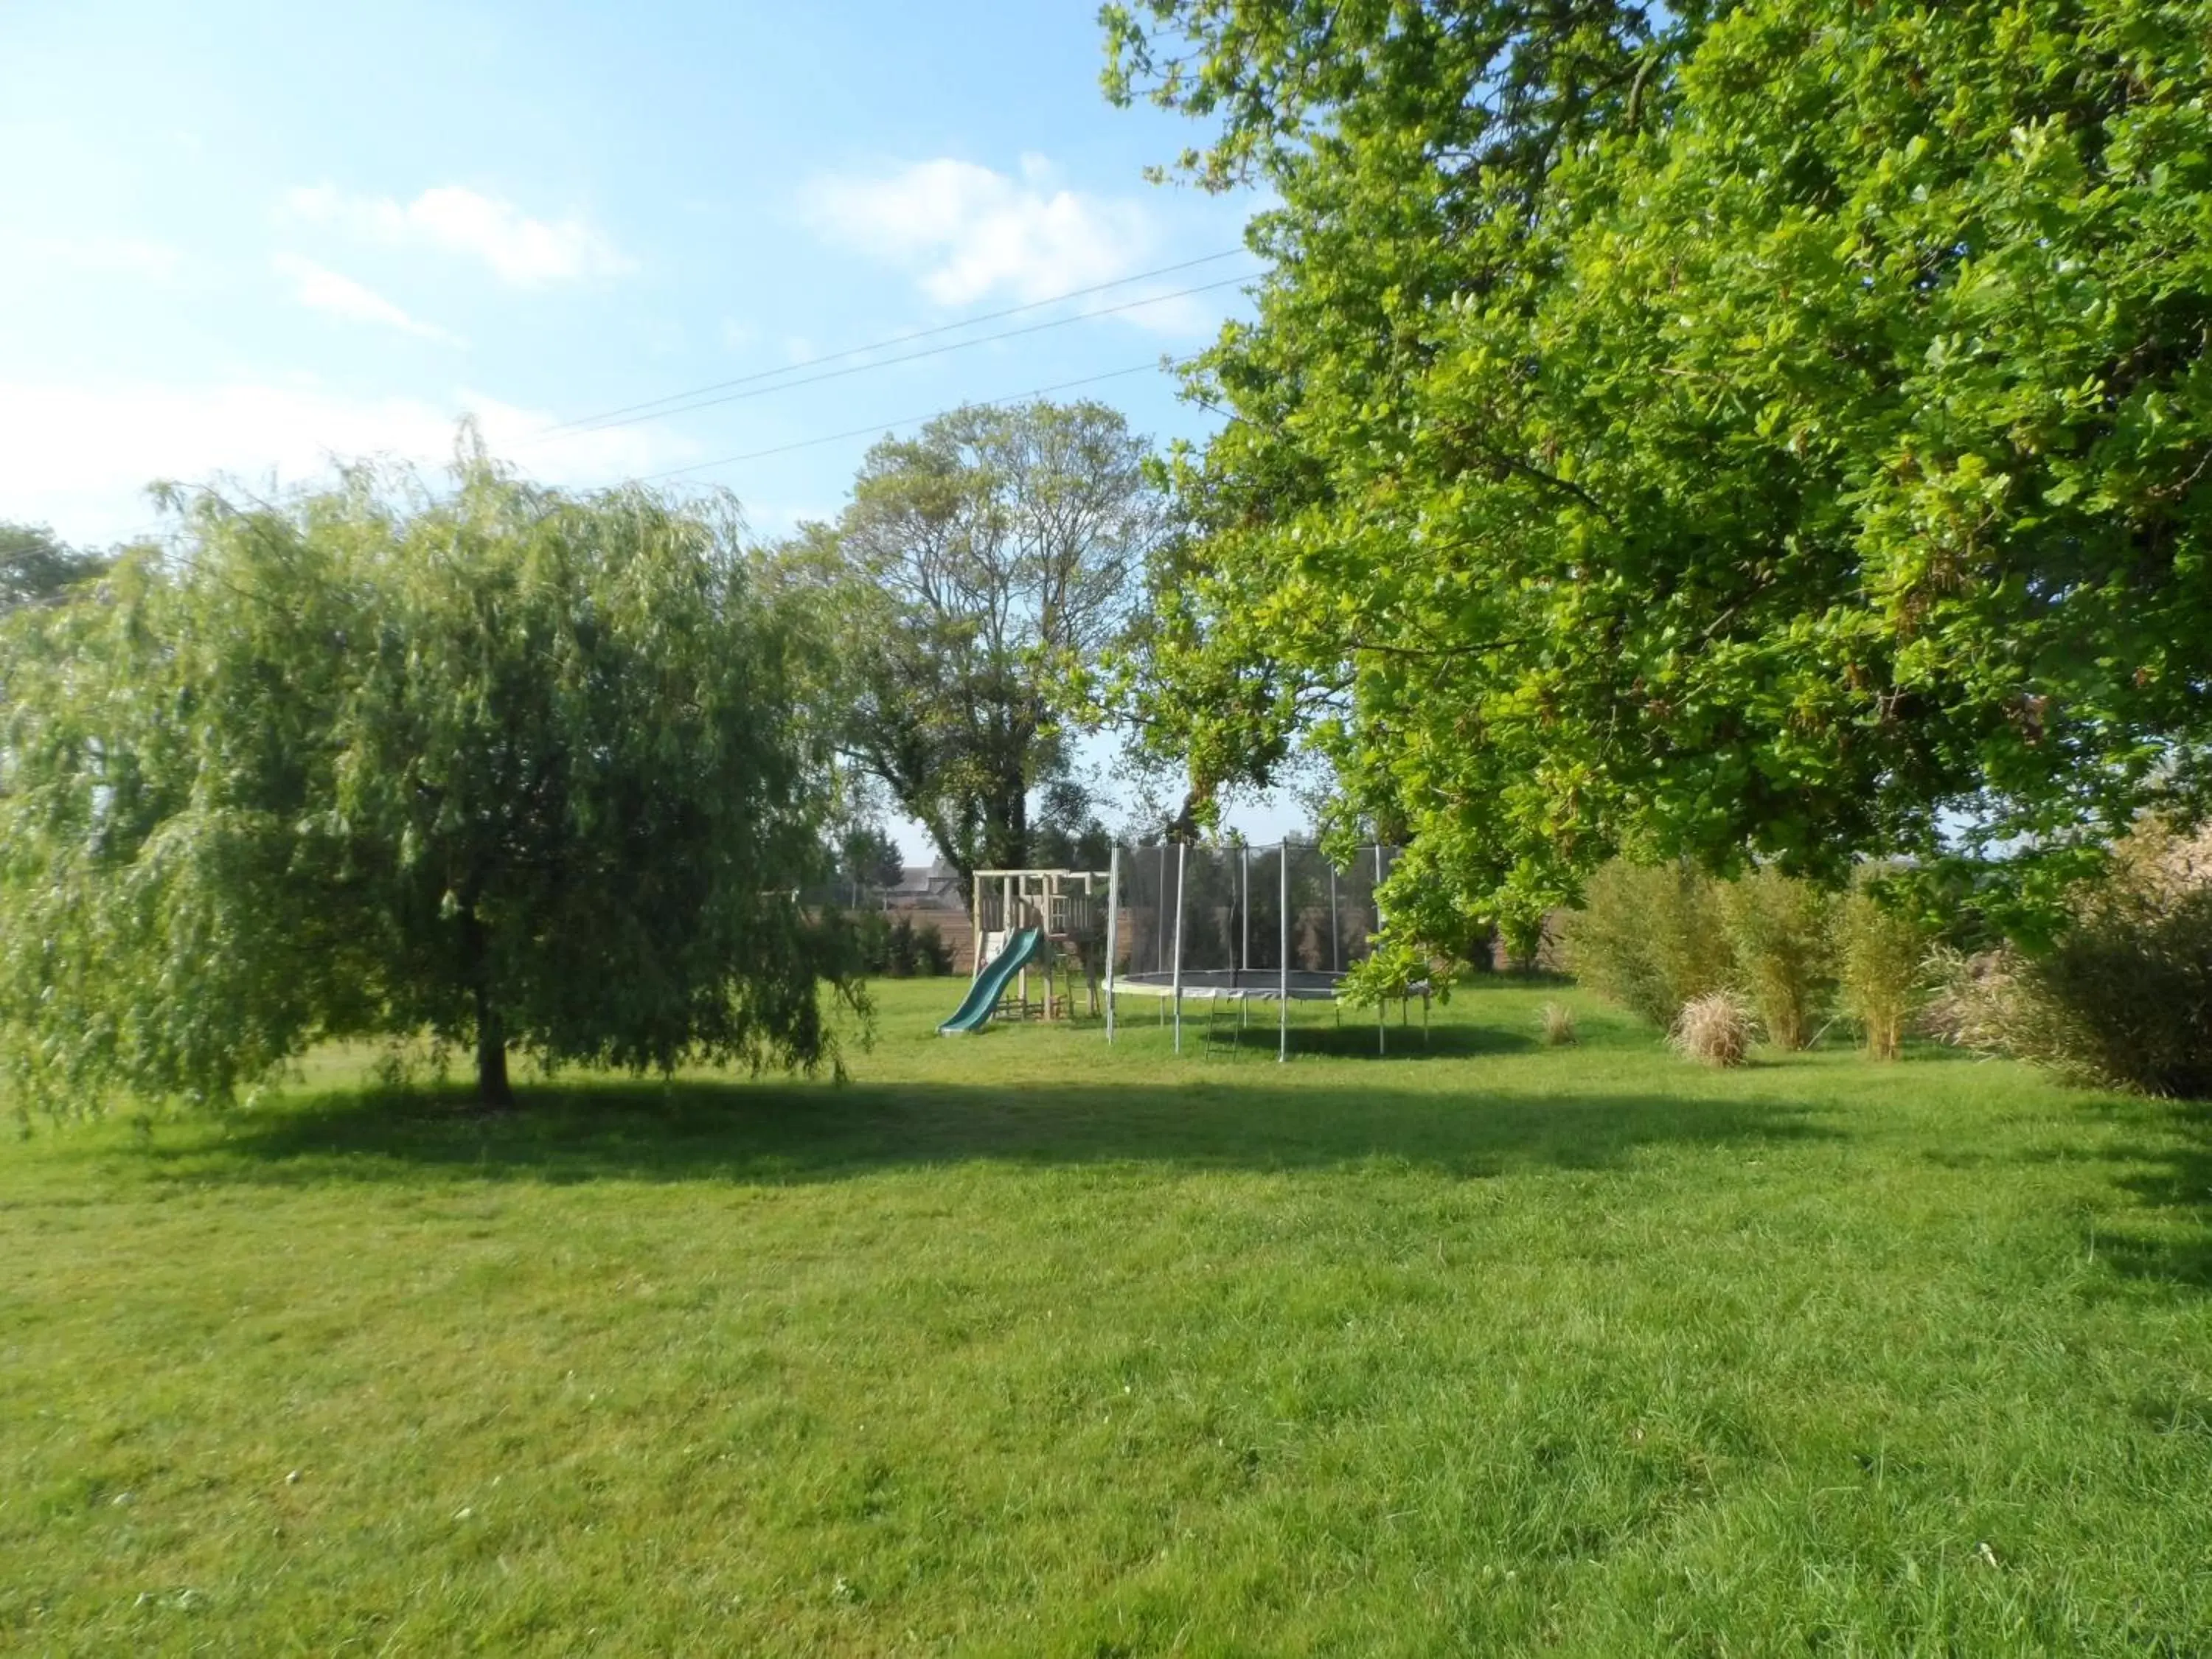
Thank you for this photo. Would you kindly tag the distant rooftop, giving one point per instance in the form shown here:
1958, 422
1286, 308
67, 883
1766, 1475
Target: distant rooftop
926, 884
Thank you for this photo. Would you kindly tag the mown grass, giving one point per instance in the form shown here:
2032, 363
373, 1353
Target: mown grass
1018, 1345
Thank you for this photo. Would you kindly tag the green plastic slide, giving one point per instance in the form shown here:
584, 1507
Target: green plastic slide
990, 984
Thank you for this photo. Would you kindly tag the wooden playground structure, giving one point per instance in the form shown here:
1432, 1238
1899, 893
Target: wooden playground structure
1067, 906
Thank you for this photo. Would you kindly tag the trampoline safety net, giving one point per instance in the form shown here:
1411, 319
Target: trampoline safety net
1230, 920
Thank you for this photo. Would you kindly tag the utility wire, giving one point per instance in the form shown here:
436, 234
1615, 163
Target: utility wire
1163, 364
908, 420
880, 346
606, 423
888, 362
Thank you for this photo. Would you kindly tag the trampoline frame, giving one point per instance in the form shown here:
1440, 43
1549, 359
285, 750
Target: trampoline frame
1205, 982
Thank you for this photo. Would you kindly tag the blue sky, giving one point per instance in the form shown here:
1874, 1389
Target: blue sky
242, 238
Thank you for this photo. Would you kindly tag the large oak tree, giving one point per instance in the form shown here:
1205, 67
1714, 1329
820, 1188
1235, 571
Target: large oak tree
1776, 428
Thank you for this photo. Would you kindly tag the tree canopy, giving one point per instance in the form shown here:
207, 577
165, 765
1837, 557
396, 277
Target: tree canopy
1779, 428
514, 767
868, 857
978, 563
36, 568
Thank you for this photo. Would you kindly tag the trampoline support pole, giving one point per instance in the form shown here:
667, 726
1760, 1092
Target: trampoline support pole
1283, 1004
1159, 934
1244, 911
1113, 932
1382, 1007
1182, 849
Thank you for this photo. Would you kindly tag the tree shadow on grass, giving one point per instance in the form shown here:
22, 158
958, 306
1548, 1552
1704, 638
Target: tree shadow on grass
2170, 1176
797, 1133
1355, 1038
1230, 1032
1471, 1023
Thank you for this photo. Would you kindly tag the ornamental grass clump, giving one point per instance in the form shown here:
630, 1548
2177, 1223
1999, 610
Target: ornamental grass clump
1557, 1021
1715, 1028
1974, 1001
1882, 955
1780, 933
2123, 998
1650, 938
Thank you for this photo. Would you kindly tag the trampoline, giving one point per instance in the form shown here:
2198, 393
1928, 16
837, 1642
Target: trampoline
1238, 924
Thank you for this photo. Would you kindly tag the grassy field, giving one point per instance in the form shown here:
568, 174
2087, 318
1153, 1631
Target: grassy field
1020, 1345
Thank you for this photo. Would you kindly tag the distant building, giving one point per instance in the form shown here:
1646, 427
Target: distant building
926, 887
933, 897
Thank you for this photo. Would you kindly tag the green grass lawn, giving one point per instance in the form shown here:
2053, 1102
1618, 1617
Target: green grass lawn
1019, 1344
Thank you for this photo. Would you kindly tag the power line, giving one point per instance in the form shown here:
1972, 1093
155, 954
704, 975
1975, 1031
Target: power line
889, 363
895, 339
579, 425
1163, 364
907, 420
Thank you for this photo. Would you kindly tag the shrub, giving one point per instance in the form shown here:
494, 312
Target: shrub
2123, 999
1523, 936
872, 936
931, 954
1715, 1028
1650, 938
901, 953
1780, 933
1472, 942
893, 947
1559, 1025
1881, 959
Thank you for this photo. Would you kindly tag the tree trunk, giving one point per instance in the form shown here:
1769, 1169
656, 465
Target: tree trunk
1184, 826
1006, 823
492, 1089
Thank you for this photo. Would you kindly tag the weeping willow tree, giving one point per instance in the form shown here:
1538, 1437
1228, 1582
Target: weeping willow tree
521, 768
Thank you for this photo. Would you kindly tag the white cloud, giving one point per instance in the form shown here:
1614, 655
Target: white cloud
522, 251
968, 233
321, 290
79, 458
